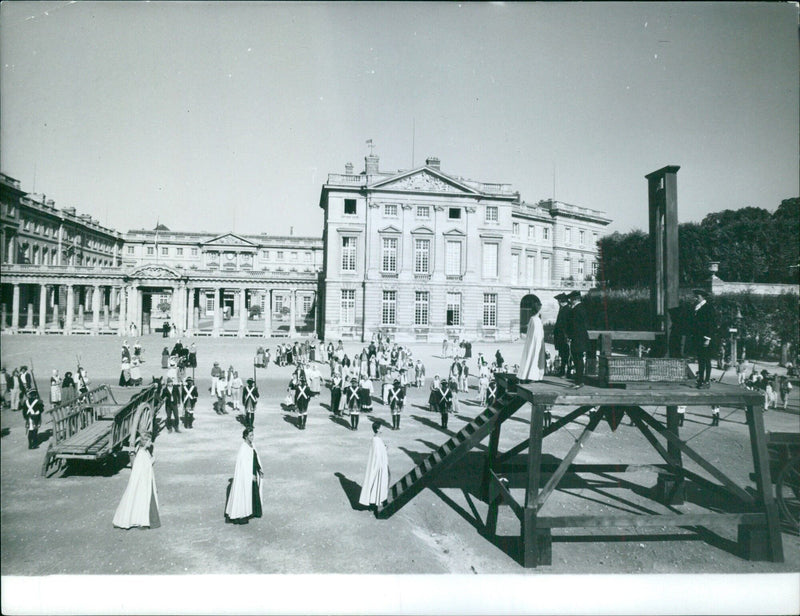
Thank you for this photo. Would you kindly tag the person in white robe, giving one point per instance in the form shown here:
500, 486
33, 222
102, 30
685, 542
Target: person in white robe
375, 488
532, 364
139, 504
244, 498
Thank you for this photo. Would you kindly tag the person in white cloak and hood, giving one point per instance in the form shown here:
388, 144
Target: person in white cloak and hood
532, 364
244, 498
375, 488
139, 504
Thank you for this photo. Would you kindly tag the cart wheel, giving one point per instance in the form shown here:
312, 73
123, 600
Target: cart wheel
787, 489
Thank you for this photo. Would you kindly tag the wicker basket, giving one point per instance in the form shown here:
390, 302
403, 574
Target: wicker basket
642, 369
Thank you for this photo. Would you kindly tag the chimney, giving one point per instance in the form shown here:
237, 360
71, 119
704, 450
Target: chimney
348, 168
371, 164
433, 163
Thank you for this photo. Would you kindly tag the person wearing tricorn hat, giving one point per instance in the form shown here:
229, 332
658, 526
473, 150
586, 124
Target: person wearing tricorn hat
703, 326
561, 333
578, 335
397, 396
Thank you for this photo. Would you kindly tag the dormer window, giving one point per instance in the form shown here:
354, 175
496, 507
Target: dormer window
454, 213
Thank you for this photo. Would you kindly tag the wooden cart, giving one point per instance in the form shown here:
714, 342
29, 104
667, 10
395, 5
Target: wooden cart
94, 427
784, 457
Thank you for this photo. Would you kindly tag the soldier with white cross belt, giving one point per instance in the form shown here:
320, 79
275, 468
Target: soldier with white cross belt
352, 403
397, 396
188, 399
302, 395
249, 400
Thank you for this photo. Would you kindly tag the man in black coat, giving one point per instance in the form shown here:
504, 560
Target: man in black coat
578, 335
561, 334
704, 324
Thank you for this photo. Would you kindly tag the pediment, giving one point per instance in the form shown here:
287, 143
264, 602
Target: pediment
422, 230
454, 232
155, 271
390, 229
425, 180
227, 240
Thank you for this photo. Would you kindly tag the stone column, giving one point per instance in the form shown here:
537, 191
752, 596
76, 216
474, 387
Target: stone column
29, 313
112, 299
88, 294
292, 301
70, 309
81, 315
217, 312
242, 313
95, 309
42, 308
123, 317
3, 314
137, 311
268, 313
107, 308
15, 309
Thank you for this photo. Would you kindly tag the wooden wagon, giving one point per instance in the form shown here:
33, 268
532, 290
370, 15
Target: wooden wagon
94, 427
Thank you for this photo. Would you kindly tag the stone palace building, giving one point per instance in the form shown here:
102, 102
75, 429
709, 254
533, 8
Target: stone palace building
417, 254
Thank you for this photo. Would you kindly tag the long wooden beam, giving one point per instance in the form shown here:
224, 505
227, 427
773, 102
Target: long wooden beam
644, 520
506, 495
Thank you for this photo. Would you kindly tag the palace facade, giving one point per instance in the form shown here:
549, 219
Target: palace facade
417, 254
421, 254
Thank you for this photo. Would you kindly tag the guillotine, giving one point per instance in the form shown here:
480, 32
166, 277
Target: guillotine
755, 516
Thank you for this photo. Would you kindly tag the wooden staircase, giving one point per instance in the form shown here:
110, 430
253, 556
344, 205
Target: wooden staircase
421, 476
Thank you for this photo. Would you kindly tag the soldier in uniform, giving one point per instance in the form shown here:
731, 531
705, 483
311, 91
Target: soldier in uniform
170, 395
561, 332
491, 393
302, 396
33, 417
446, 402
250, 400
351, 401
188, 401
397, 396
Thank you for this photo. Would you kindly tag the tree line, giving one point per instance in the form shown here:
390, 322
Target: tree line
751, 245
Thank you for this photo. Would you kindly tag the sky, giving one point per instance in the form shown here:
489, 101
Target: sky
228, 117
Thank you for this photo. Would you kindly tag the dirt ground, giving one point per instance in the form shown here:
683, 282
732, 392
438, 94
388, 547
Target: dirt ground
311, 525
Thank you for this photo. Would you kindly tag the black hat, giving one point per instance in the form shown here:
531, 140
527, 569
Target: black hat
574, 294
249, 380
702, 293
561, 297
397, 381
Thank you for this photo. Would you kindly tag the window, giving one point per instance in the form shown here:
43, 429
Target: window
422, 254
545, 273
179, 251
294, 256
545, 233
265, 254
280, 255
420, 308
348, 254
531, 232
491, 213
389, 255
515, 267
165, 250
389, 308
490, 310
194, 252
150, 250
581, 237
515, 228
350, 206
130, 250
454, 308
453, 259
567, 267
594, 239
347, 311
209, 303
306, 304
490, 260
423, 211
390, 209
567, 235
530, 269
580, 268
307, 257
594, 269
454, 213
278, 303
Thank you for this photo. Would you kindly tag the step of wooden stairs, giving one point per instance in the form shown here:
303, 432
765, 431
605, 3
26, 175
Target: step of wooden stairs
452, 450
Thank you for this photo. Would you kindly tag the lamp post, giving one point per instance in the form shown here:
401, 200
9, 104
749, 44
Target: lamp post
734, 331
